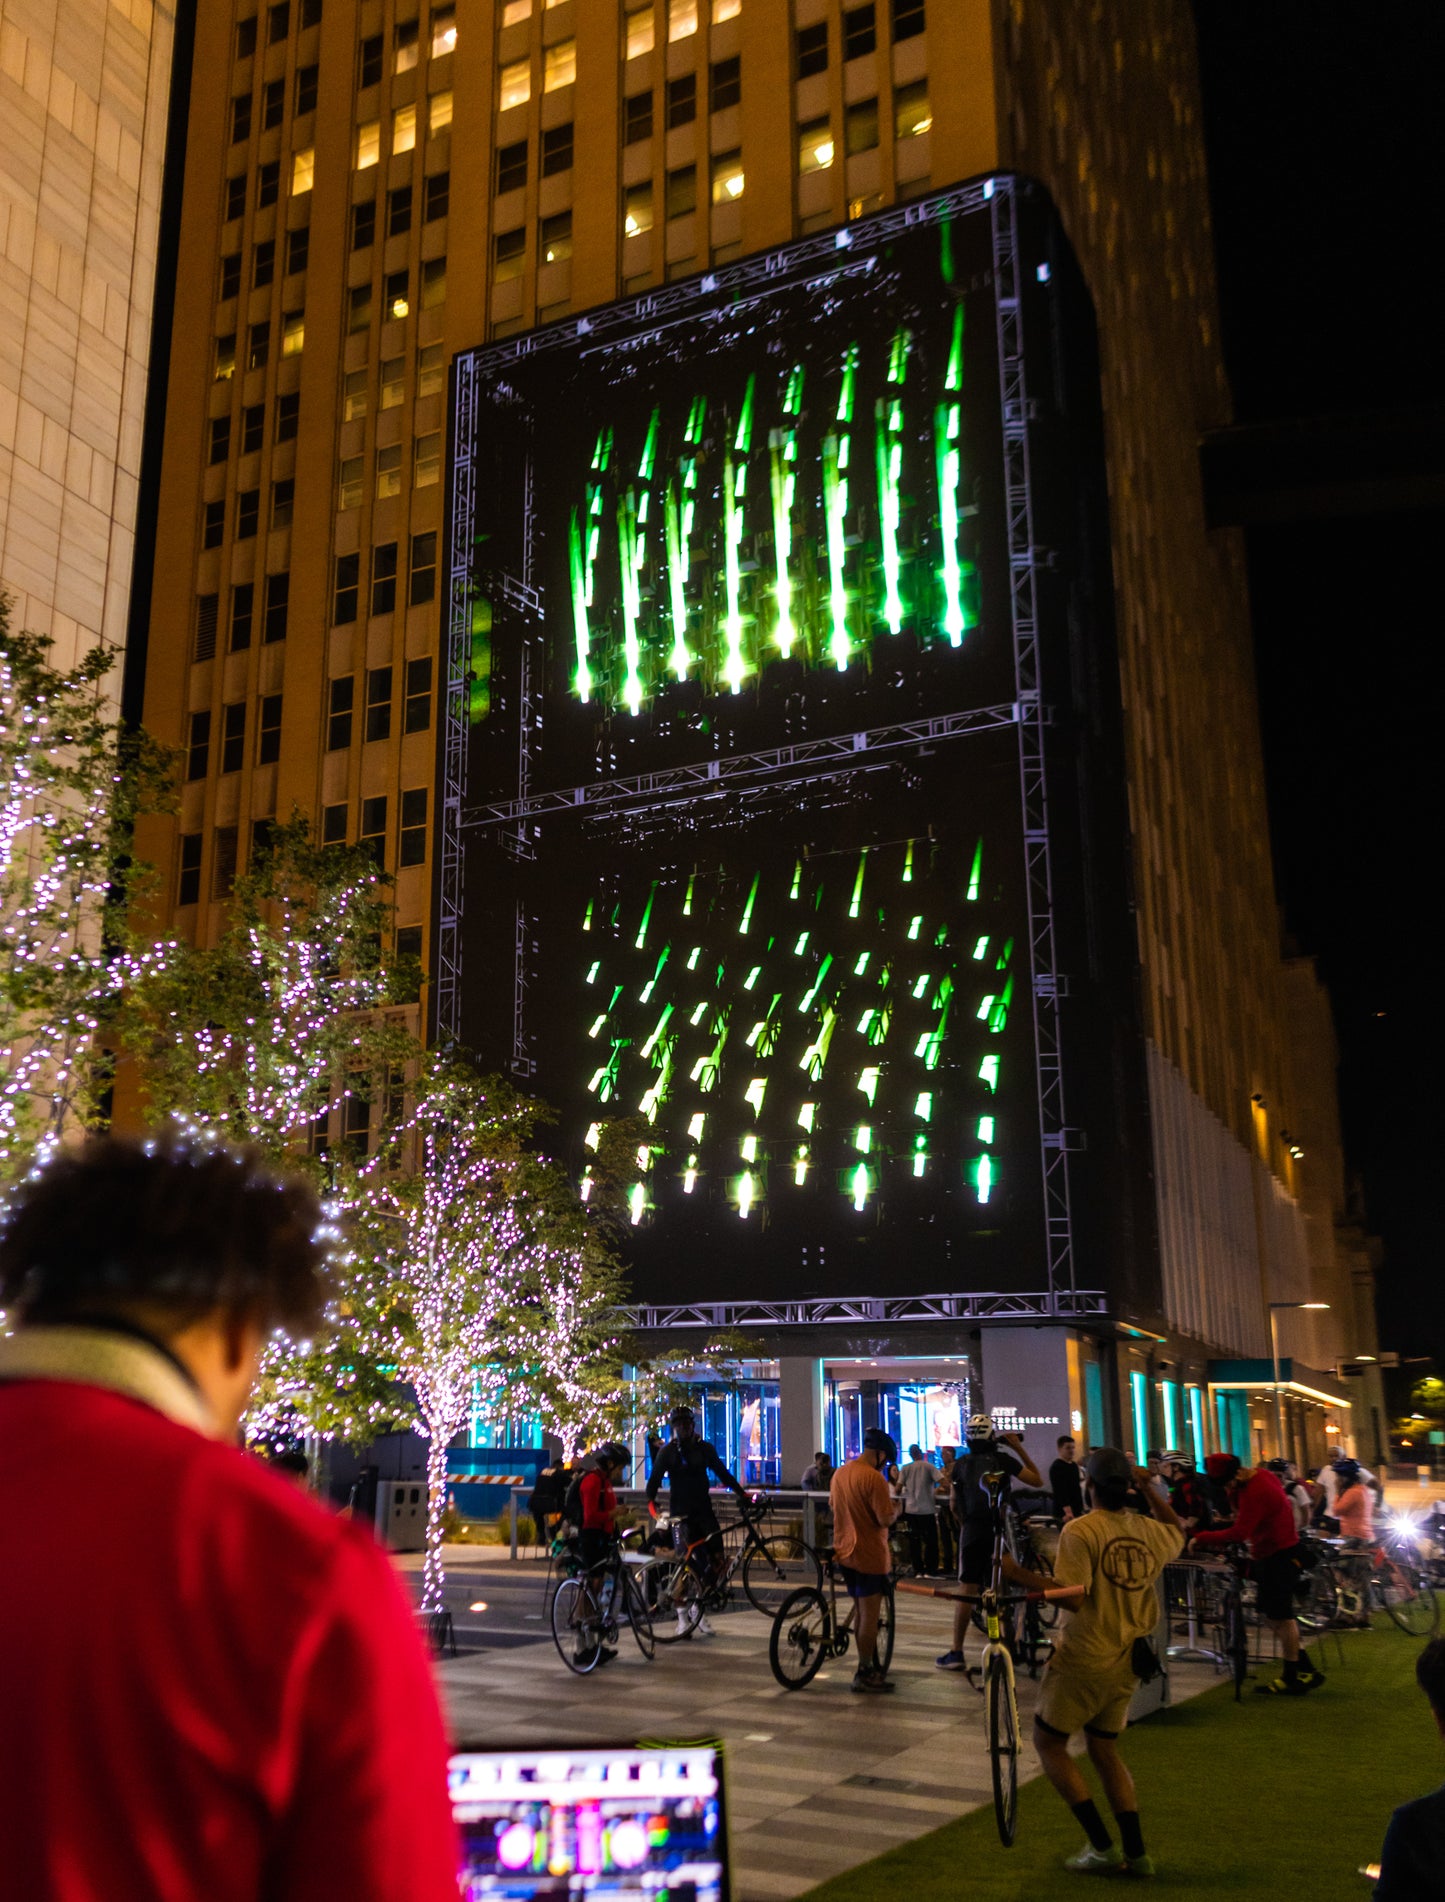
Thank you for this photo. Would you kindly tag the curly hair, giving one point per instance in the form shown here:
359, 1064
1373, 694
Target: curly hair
182, 1227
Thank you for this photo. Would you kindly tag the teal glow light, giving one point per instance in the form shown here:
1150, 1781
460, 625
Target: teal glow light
689, 1176
888, 449
998, 1016
801, 946
687, 900
810, 995
863, 1138
921, 985
641, 939
592, 973
862, 965
908, 864
699, 1012
750, 1149
815, 1057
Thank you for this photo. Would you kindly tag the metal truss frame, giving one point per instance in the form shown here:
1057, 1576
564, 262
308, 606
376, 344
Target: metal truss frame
871, 1310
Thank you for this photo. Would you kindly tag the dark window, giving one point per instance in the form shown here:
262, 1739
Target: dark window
682, 191
333, 825
355, 1122
423, 569
223, 863
225, 367
363, 224
258, 347
383, 581
358, 309
288, 415
273, 103
298, 249
637, 118
213, 524
860, 127
370, 61
557, 149
681, 100
278, 22
509, 248
512, 166
418, 696
408, 943
268, 732
306, 82
908, 20
233, 736
198, 746
188, 884
278, 596
240, 118
398, 211
261, 830
725, 84
235, 206
243, 607
556, 238
245, 38
268, 183
207, 614
812, 49
248, 513
412, 842
433, 282
283, 503
231, 273
338, 714
253, 427
348, 576
220, 438
435, 196
378, 703
373, 827
263, 263
310, 13
860, 31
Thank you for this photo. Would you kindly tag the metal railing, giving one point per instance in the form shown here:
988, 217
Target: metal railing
789, 1503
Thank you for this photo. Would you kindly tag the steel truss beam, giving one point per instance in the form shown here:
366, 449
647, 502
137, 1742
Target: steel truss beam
1078, 1304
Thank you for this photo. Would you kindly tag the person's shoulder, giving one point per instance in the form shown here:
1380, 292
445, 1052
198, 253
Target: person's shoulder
1167, 1540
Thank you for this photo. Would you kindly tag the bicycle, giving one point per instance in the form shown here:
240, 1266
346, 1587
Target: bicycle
807, 1630
1386, 1578
585, 1613
772, 1568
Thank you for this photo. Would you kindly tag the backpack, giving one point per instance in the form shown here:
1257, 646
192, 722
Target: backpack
572, 1502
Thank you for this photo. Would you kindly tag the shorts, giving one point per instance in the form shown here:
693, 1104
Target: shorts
1094, 1701
863, 1584
1277, 1581
975, 1561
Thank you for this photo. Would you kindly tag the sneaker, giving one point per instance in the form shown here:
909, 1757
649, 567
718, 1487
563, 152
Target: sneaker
1097, 1862
704, 1628
684, 1628
871, 1680
1140, 1865
951, 1661
607, 1654
1310, 1677
1282, 1687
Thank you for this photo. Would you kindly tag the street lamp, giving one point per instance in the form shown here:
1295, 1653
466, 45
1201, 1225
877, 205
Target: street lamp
1274, 1308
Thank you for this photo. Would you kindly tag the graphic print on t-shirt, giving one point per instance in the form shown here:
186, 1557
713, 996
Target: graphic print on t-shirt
1126, 1563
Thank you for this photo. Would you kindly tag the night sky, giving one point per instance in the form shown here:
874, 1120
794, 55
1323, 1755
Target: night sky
1325, 145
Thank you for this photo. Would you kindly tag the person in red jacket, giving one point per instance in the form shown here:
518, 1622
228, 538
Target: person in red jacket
1264, 1521
213, 1689
598, 1491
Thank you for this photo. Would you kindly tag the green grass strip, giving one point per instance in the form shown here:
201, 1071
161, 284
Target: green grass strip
1274, 1797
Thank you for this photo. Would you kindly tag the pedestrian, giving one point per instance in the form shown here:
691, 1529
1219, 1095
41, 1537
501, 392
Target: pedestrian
1412, 1862
943, 1503
1354, 1502
863, 1510
244, 1707
1066, 1481
818, 1477
547, 1499
919, 1478
987, 1452
1264, 1521
1116, 1557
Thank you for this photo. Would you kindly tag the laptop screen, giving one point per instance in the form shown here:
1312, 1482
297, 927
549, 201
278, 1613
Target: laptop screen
617, 1820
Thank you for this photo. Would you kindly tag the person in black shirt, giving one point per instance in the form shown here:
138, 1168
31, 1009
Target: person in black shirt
985, 1452
1412, 1862
686, 1463
1066, 1481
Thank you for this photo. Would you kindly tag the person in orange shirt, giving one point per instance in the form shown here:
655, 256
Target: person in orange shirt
863, 1508
1354, 1502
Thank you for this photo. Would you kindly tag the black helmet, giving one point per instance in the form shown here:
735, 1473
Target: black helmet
611, 1454
681, 1416
876, 1440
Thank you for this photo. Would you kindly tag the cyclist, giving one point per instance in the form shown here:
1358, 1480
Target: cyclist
1264, 1521
1186, 1495
686, 1462
985, 1452
597, 1491
863, 1510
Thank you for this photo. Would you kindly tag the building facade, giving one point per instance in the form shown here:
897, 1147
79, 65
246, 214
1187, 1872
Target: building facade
370, 190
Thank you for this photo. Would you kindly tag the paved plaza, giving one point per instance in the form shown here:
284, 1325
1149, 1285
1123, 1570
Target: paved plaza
818, 1780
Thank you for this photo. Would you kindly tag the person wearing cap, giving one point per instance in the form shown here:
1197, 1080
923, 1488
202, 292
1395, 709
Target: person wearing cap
687, 1462
863, 1510
985, 1452
1116, 1556
1264, 1522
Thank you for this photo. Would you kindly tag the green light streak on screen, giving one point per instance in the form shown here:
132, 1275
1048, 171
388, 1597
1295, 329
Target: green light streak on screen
888, 449
976, 873
649, 449
784, 633
734, 670
743, 441
860, 1183
748, 907
857, 898
988, 1073
677, 572
908, 864
797, 878
629, 544
641, 939
982, 1173
582, 679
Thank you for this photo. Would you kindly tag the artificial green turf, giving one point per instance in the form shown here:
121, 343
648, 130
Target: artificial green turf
1272, 1797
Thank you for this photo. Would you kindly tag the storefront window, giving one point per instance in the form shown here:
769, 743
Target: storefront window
1139, 1399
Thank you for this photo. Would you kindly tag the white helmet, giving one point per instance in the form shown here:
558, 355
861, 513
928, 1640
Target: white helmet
980, 1427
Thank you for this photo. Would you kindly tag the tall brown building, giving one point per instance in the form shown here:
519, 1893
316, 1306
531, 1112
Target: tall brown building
370, 188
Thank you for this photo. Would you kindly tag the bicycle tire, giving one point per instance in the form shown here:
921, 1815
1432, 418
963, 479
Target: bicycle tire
775, 1569
1407, 1597
1321, 1603
674, 1602
574, 1616
638, 1615
1003, 1749
883, 1651
800, 1639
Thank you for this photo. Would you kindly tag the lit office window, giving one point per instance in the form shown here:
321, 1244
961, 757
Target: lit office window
303, 171
388, 472
815, 146
396, 301
439, 112
403, 129
637, 210
681, 18
556, 236
368, 144
727, 177
349, 483
354, 396
293, 333
638, 33
515, 11
405, 40
515, 84
443, 31
725, 10
560, 65
427, 466
911, 113
225, 362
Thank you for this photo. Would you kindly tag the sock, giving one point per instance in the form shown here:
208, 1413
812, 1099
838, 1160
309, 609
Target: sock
1291, 1670
1092, 1823
1129, 1830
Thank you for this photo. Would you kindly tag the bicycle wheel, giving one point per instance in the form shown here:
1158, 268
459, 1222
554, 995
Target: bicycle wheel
798, 1642
1321, 1601
1003, 1746
638, 1615
673, 1600
883, 1655
1407, 1597
776, 1568
576, 1626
